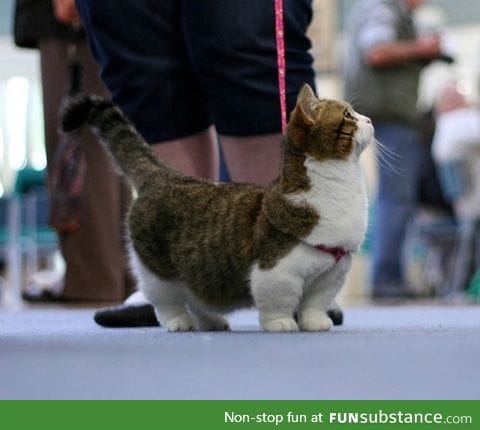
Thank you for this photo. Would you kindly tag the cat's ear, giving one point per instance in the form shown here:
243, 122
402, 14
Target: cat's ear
307, 105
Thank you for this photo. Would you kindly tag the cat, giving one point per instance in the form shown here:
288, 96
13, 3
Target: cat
200, 249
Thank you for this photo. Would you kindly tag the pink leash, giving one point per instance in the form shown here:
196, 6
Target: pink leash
281, 63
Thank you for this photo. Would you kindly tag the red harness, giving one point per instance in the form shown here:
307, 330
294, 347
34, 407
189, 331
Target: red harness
337, 252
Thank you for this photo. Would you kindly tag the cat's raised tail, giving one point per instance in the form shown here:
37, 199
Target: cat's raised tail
127, 149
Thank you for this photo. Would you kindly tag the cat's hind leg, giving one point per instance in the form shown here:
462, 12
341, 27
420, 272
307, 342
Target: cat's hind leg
206, 320
167, 297
318, 299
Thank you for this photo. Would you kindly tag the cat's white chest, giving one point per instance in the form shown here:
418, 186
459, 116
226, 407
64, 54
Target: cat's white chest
338, 194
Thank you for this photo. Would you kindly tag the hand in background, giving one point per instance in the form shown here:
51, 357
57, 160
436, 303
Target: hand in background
429, 47
66, 12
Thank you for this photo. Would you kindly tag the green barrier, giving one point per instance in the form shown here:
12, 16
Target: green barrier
474, 286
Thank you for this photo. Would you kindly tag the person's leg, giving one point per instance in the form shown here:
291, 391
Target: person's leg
154, 83
146, 67
253, 159
238, 67
94, 256
195, 155
395, 205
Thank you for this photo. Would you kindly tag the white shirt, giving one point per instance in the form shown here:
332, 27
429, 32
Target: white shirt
456, 134
457, 139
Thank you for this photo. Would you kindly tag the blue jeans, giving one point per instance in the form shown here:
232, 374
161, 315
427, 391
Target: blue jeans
396, 202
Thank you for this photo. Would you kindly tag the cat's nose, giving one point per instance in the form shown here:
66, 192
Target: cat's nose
366, 119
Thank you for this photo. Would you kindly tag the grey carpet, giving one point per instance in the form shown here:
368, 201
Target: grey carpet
380, 353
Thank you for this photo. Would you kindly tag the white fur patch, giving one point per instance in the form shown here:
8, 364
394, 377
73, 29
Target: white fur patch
306, 280
338, 194
136, 298
302, 263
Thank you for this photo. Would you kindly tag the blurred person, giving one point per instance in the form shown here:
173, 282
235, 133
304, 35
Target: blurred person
190, 74
382, 63
94, 255
456, 150
430, 195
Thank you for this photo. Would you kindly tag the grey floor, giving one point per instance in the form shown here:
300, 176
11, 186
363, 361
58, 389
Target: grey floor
380, 353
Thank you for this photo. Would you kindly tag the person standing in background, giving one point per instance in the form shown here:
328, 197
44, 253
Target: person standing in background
456, 151
94, 255
382, 63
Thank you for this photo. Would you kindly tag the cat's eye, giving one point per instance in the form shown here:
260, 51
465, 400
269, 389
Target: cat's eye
348, 115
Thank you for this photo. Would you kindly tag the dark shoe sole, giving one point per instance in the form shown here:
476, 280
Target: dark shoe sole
336, 315
127, 316
43, 296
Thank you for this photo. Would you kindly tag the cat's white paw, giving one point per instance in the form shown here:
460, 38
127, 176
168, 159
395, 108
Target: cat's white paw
180, 323
315, 322
214, 324
280, 324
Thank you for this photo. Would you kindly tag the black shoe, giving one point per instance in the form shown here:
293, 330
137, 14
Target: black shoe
336, 315
39, 295
141, 315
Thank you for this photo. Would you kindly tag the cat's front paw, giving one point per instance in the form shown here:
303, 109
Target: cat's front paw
315, 322
180, 323
280, 324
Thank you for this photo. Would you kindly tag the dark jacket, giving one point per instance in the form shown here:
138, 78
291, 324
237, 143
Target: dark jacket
34, 20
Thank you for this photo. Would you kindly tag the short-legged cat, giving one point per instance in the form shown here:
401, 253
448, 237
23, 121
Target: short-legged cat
200, 248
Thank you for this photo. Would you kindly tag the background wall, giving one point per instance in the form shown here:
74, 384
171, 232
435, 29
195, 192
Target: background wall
21, 124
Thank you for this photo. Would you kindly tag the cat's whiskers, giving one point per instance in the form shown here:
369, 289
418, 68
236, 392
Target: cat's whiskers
386, 158
354, 98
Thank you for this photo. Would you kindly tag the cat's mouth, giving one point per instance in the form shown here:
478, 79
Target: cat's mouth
365, 133
364, 136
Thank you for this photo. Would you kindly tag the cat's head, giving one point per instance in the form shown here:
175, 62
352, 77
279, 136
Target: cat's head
327, 129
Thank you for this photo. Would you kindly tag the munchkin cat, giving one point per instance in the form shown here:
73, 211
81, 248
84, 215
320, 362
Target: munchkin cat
200, 249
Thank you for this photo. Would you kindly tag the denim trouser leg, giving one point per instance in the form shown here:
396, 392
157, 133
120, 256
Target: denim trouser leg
396, 200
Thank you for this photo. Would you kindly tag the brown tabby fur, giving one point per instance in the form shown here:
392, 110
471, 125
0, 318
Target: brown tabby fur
209, 235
